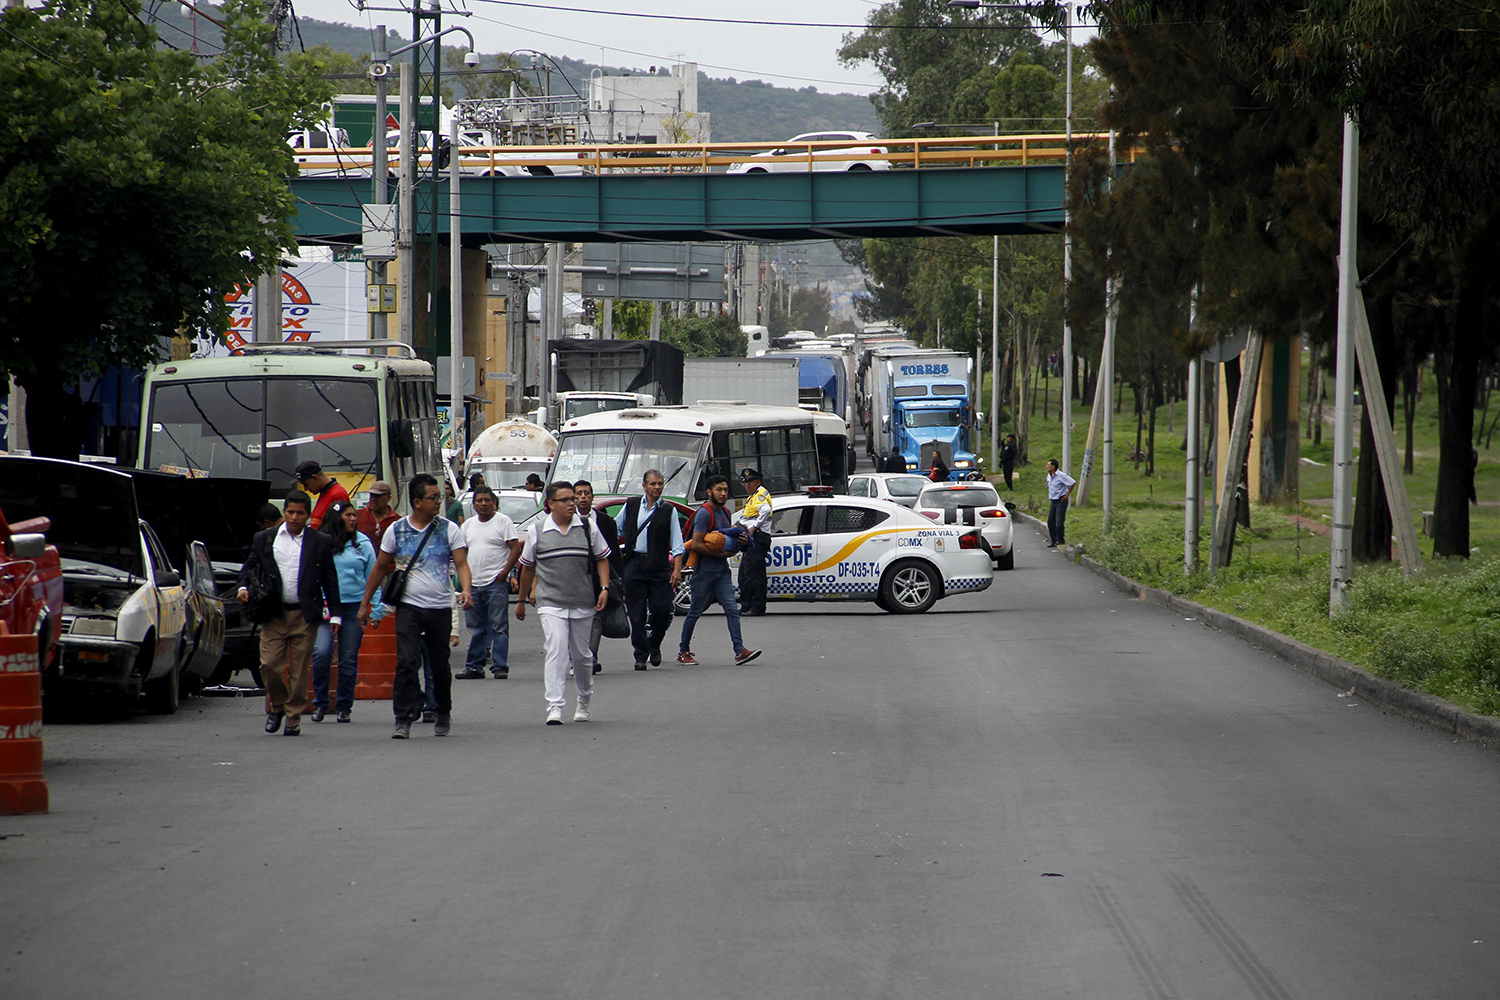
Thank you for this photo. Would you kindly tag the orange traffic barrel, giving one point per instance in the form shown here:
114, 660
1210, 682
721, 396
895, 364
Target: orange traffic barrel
23, 789
377, 661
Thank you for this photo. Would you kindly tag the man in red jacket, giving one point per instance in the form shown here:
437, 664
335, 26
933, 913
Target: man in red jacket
314, 480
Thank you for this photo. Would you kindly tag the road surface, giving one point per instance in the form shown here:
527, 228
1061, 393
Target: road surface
1046, 790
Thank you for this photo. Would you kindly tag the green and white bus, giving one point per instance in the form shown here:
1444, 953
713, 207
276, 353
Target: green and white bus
689, 443
351, 406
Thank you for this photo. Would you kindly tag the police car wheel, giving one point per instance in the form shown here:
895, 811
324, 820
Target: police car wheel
909, 588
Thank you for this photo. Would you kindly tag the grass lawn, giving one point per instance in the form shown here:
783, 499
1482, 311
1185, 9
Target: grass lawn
1438, 631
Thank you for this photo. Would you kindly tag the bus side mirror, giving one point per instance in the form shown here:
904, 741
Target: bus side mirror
401, 438
885, 423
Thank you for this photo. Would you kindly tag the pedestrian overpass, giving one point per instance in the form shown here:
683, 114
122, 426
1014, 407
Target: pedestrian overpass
952, 186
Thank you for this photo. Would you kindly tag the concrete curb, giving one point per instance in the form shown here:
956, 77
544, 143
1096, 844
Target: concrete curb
1418, 706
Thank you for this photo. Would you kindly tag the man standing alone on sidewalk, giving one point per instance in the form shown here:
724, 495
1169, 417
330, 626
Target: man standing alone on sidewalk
296, 568
570, 564
493, 550
651, 541
423, 546
1059, 489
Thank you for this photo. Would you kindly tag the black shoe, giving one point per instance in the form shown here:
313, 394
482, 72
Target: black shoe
640, 664
597, 668
319, 713
656, 657
403, 731
443, 727
429, 716
501, 674
469, 674
292, 730
273, 721
343, 716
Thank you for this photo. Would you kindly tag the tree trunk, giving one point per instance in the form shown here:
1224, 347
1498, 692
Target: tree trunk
1371, 538
1312, 386
54, 417
1318, 407
1457, 369
1409, 409
1151, 433
1140, 424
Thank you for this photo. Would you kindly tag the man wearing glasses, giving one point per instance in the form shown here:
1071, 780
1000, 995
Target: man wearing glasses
570, 564
424, 545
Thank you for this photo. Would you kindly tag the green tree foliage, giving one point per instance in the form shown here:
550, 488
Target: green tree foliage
811, 309
1420, 79
138, 185
715, 336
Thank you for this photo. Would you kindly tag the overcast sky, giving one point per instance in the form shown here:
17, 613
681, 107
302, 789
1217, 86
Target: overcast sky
786, 56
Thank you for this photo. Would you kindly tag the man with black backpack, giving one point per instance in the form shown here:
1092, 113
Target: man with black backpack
570, 564
651, 541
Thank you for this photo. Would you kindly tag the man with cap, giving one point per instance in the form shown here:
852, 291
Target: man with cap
756, 518
377, 515
313, 479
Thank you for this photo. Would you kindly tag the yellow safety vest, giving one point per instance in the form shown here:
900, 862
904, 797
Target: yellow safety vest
760, 496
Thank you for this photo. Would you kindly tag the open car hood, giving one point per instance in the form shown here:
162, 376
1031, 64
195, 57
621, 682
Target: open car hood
214, 510
92, 507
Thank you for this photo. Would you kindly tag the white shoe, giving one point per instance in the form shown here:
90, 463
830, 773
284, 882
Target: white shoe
554, 716
581, 713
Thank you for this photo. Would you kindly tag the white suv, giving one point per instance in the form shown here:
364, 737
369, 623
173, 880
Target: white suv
793, 158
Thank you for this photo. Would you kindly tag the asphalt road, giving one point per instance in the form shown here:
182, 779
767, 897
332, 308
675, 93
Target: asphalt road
1042, 791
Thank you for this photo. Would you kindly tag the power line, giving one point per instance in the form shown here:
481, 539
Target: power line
662, 58
751, 21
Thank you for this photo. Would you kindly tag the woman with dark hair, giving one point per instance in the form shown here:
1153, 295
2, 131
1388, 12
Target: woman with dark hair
353, 558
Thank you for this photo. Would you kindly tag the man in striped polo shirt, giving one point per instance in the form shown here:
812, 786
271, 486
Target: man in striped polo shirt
570, 564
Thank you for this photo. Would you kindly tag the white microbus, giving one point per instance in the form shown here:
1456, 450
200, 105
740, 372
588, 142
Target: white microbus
689, 444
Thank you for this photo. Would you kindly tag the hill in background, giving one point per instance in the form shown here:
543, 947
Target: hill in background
742, 110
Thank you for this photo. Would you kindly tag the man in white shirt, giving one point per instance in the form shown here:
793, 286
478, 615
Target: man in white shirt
426, 545
493, 551
300, 562
564, 556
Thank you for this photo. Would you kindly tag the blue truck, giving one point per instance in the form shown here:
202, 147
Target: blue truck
921, 401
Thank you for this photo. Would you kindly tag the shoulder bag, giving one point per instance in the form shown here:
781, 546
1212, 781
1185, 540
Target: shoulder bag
395, 583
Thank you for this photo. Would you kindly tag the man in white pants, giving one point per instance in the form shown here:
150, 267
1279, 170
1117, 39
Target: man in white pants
565, 557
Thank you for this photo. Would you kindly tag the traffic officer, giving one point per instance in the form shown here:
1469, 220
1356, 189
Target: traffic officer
756, 517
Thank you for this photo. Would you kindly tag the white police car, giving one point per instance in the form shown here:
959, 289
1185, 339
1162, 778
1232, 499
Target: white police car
854, 549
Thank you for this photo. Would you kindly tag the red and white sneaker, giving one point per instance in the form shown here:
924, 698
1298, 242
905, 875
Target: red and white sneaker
687, 657
745, 655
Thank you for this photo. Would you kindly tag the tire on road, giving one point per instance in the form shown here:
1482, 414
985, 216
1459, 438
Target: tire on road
910, 587
1007, 561
163, 694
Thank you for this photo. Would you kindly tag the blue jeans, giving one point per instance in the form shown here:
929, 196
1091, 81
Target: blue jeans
711, 582
1057, 519
350, 636
489, 627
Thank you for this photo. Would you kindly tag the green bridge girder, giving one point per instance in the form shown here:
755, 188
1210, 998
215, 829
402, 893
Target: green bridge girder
963, 201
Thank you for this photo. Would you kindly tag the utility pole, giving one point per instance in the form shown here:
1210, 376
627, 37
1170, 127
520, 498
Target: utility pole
455, 301
405, 252
1107, 377
995, 349
1340, 555
1194, 510
379, 70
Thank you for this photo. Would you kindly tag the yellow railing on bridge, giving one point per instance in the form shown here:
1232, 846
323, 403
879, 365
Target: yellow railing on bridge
612, 158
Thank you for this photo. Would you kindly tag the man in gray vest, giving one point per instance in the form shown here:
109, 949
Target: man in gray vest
651, 541
570, 564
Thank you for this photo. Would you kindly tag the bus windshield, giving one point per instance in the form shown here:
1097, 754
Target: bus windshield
220, 428
614, 461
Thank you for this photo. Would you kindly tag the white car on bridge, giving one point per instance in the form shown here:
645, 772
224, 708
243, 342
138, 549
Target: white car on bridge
793, 158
